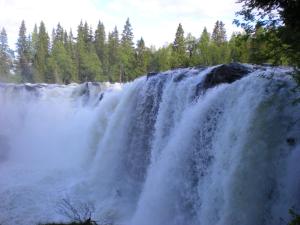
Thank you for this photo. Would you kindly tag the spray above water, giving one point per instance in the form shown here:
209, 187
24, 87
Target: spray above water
207, 146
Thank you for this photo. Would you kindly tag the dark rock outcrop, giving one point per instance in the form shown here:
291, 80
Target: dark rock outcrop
226, 73
151, 74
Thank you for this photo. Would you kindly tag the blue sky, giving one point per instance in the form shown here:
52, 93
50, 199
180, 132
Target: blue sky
155, 20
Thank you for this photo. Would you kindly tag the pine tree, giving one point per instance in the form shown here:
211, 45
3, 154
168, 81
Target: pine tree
5, 57
219, 45
141, 58
59, 33
239, 48
203, 56
114, 55
40, 59
127, 53
258, 50
163, 58
179, 58
101, 48
88, 63
34, 41
219, 33
191, 43
60, 64
24, 58
127, 34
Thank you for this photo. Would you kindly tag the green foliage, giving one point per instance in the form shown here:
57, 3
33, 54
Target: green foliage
179, 57
113, 55
5, 58
203, 52
281, 20
127, 57
24, 57
239, 48
91, 56
141, 58
219, 33
40, 58
102, 49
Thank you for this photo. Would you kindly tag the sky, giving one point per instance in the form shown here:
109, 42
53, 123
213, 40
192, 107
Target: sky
154, 20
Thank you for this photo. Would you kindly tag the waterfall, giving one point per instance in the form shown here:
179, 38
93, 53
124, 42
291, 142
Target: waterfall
185, 146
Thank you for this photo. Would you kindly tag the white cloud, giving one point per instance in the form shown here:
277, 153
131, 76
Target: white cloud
155, 20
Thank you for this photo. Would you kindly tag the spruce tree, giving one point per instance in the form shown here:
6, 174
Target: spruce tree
34, 41
5, 57
179, 58
258, 50
40, 59
127, 52
60, 64
191, 44
219, 33
88, 63
219, 45
101, 47
114, 55
24, 58
141, 58
203, 49
239, 48
162, 59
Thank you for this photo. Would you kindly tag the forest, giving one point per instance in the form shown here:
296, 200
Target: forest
94, 55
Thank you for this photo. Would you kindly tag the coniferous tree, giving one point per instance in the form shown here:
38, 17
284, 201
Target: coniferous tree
203, 56
88, 63
114, 55
100, 41
60, 64
101, 48
164, 58
141, 58
59, 33
5, 55
258, 49
179, 50
191, 44
70, 46
239, 48
219, 33
281, 19
40, 58
219, 45
24, 58
34, 41
127, 53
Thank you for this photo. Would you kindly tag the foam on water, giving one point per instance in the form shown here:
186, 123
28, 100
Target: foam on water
153, 151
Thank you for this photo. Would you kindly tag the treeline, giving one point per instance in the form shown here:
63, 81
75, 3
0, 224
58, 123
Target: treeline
92, 55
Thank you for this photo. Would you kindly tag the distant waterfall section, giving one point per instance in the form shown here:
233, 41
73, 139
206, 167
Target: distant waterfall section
194, 146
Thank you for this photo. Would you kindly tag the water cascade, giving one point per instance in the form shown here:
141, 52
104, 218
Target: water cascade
194, 146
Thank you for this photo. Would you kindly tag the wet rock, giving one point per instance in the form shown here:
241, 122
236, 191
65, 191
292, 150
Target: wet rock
291, 141
29, 87
101, 97
151, 74
226, 73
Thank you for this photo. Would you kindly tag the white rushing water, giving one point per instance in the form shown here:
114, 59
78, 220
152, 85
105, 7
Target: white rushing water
161, 150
